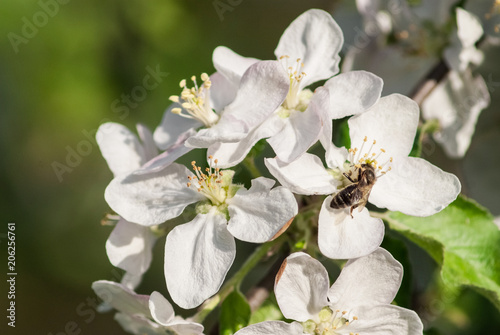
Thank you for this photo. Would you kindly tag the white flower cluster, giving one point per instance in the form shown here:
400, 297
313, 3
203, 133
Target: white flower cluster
227, 113
407, 39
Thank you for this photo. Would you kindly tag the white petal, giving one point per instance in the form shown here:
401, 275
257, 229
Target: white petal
149, 145
121, 298
174, 151
301, 287
386, 319
222, 91
316, 39
230, 154
370, 280
400, 71
137, 324
263, 88
171, 127
353, 92
301, 129
257, 214
456, 102
120, 148
343, 237
306, 175
153, 198
272, 328
415, 187
230, 64
131, 281
392, 122
469, 27
198, 255
130, 246
161, 310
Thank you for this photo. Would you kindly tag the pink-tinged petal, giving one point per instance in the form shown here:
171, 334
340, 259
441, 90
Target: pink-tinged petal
222, 91
301, 287
120, 148
415, 187
352, 93
370, 280
392, 122
149, 145
230, 64
272, 328
343, 237
306, 175
456, 103
198, 255
259, 213
121, 298
302, 129
316, 39
230, 154
174, 151
153, 198
129, 247
385, 320
171, 127
161, 310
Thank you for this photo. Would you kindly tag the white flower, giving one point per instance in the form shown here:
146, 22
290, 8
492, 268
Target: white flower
463, 51
129, 245
422, 38
359, 302
381, 137
456, 103
216, 110
198, 254
308, 52
142, 314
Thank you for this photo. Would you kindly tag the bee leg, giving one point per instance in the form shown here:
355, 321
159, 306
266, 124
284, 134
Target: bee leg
345, 175
353, 207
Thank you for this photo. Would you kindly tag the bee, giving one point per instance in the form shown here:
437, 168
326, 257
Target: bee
356, 194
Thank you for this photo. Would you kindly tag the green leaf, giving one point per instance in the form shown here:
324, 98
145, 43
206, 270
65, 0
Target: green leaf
269, 310
235, 313
463, 240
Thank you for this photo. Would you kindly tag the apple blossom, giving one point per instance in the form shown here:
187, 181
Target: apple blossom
456, 104
220, 111
199, 253
308, 52
382, 137
129, 245
143, 314
359, 302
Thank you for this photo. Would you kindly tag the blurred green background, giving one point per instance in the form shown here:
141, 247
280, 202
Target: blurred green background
63, 65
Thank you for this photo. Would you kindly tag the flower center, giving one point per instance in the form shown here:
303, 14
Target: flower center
295, 73
210, 183
357, 158
330, 322
195, 101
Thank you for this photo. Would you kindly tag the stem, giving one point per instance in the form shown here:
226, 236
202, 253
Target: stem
249, 163
234, 283
427, 127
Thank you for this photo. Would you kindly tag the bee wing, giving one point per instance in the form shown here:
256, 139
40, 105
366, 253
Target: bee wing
364, 199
